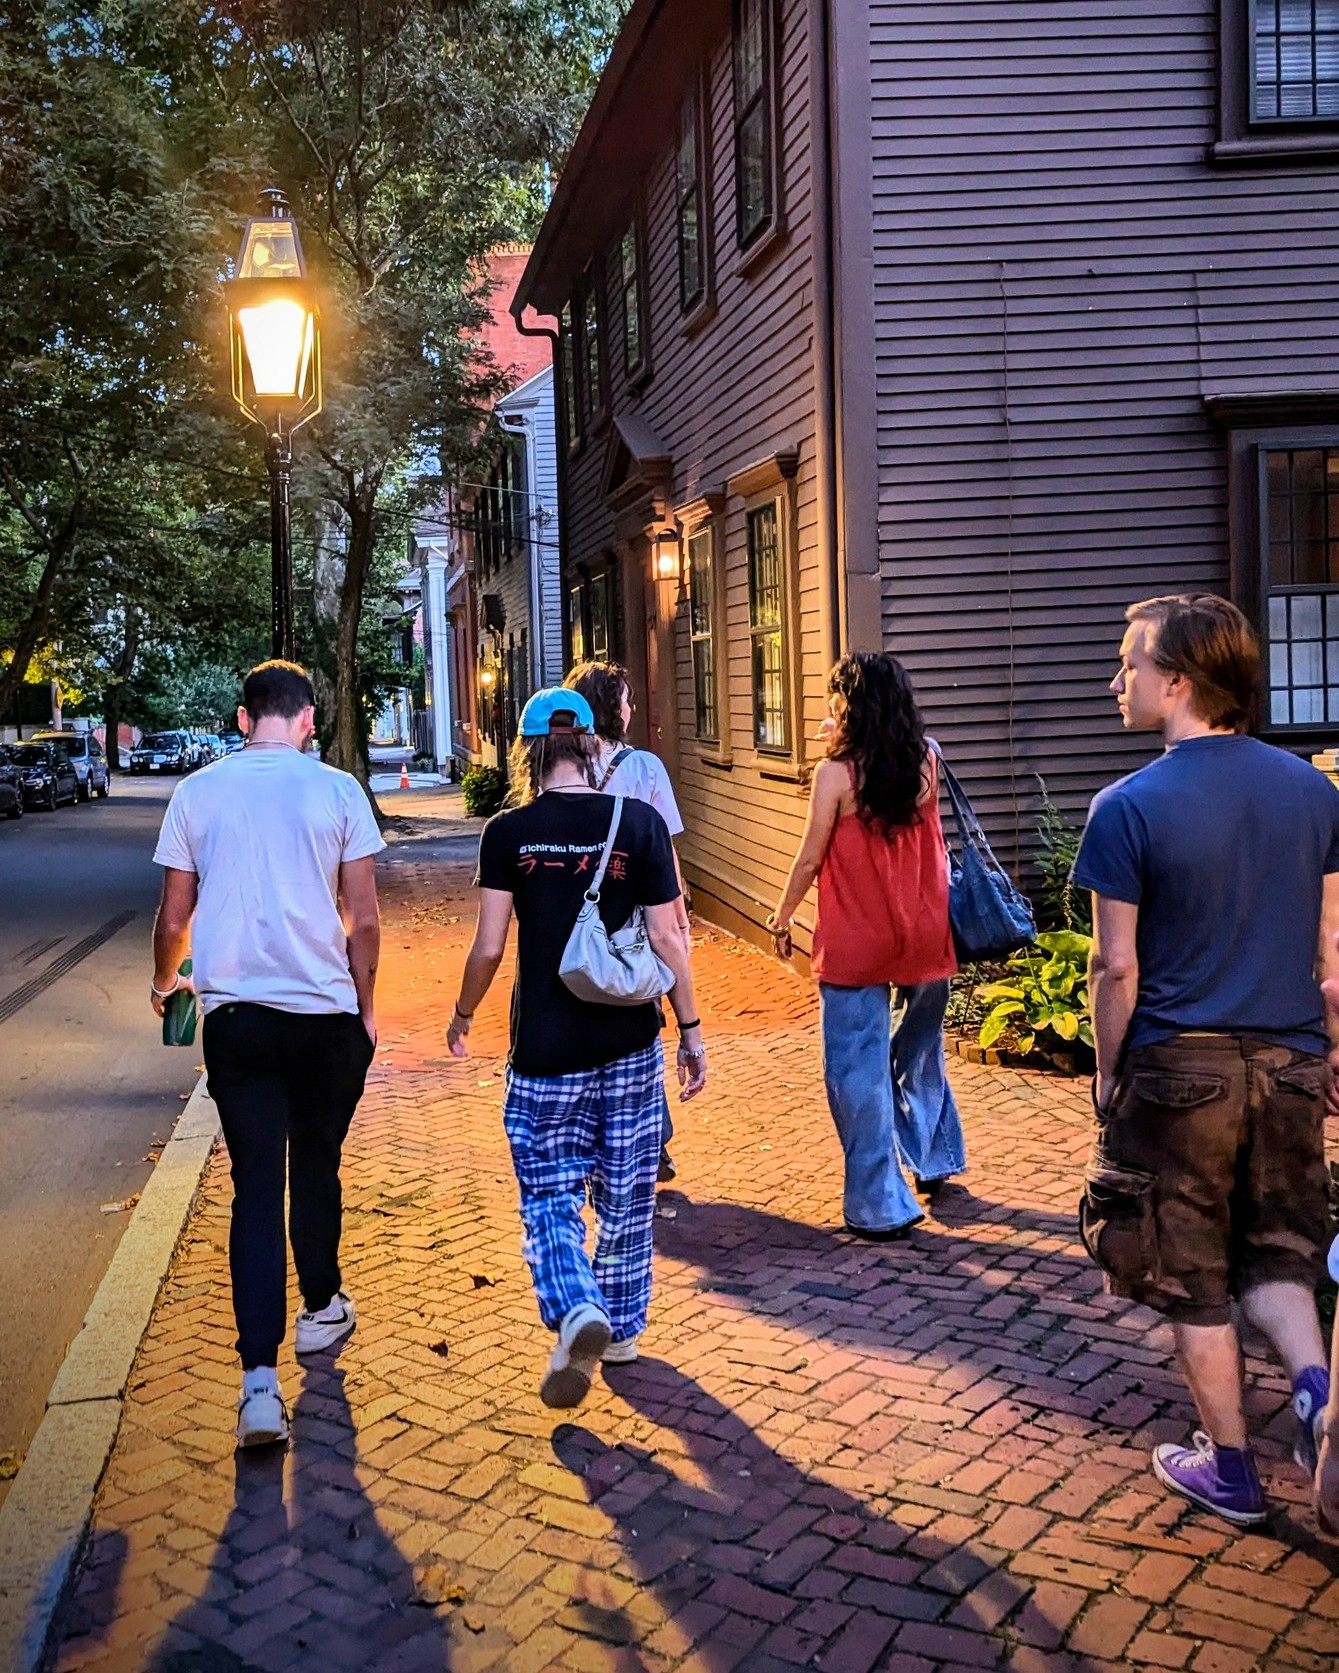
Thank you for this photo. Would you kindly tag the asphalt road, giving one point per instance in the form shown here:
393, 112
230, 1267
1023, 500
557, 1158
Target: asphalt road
87, 1088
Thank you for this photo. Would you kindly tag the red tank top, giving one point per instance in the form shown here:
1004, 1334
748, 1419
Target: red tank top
883, 903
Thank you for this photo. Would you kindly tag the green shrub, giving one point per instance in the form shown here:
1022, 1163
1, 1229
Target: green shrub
485, 790
1063, 903
1044, 996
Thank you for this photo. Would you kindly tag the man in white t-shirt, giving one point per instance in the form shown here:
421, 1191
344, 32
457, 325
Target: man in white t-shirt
268, 880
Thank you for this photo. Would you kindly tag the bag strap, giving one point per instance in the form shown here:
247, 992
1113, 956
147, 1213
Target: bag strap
964, 814
593, 893
616, 760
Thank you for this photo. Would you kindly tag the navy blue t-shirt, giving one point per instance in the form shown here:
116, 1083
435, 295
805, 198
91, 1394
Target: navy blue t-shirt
1222, 844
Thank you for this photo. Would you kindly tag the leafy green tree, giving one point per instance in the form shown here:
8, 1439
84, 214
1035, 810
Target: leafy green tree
414, 136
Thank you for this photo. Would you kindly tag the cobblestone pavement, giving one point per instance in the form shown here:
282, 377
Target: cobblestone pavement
920, 1458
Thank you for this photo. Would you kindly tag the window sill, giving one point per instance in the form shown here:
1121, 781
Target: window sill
638, 378
1272, 150
783, 768
713, 755
699, 316
761, 251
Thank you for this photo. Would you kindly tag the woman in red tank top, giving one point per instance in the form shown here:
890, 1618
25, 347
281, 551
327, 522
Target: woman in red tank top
882, 950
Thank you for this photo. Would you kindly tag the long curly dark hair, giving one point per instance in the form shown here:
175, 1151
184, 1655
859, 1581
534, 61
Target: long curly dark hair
602, 685
880, 731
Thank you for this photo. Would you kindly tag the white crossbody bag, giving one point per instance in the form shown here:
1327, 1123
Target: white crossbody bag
617, 969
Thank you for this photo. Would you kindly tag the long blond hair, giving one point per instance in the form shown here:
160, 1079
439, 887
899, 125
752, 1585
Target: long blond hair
531, 758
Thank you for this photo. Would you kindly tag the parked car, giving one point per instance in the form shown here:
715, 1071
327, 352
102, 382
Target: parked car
48, 773
163, 752
11, 786
232, 742
215, 745
85, 753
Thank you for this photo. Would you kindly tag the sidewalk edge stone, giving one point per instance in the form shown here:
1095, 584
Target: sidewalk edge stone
47, 1512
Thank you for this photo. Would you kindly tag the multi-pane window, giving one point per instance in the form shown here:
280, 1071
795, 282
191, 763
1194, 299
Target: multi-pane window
599, 618
576, 624
588, 619
630, 283
701, 581
1294, 60
688, 187
1301, 527
592, 368
567, 357
754, 183
767, 629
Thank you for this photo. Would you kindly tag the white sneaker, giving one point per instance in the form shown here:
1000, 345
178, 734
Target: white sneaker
315, 1332
621, 1353
582, 1339
262, 1417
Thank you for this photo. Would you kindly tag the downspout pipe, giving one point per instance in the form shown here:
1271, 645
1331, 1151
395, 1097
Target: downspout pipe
562, 416
827, 462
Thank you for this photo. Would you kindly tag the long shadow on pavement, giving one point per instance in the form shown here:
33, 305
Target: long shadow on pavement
746, 1553
275, 1585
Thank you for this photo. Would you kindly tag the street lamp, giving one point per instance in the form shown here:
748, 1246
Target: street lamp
274, 331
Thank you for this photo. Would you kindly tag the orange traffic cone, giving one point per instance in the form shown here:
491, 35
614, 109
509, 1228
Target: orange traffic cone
404, 775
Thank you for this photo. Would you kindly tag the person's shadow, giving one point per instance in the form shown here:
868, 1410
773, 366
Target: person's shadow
744, 1551
304, 1562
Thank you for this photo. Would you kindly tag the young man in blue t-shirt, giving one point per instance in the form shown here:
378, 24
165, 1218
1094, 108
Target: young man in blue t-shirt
1215, 879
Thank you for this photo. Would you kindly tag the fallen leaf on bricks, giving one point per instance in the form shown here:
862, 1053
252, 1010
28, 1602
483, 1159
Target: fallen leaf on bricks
9, 1465
119, 1207
481, 1280
433, 1586
440, 1348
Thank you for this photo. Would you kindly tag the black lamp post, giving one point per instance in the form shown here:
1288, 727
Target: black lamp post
274, 331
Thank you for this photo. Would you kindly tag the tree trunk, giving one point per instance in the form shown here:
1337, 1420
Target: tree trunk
348, 744
12, 675
111, 704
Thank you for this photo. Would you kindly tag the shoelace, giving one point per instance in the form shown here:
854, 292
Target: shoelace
1204, 1452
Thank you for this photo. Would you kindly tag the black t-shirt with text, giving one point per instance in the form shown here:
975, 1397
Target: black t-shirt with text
546, 856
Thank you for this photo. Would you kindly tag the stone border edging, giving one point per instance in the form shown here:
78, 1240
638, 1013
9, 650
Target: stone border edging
46, 1515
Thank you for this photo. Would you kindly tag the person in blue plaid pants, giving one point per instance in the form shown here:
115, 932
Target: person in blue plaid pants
585, 1095
596, 1132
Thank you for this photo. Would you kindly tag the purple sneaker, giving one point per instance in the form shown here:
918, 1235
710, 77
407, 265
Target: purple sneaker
1192, 1471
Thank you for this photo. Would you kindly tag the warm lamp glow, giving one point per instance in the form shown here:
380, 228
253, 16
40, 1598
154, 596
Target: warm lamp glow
667, 557
277, 338
487, 677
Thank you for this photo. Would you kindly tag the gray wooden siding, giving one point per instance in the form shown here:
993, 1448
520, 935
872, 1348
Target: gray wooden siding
534, 400
737, 390
1060, 279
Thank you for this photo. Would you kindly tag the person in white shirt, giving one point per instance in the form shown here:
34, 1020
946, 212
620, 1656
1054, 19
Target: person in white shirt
621, 770
269, 883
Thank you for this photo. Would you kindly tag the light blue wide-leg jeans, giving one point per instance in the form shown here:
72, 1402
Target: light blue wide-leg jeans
858, 1075
926, 1121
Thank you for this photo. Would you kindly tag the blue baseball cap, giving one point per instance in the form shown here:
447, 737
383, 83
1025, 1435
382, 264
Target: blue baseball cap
538, 715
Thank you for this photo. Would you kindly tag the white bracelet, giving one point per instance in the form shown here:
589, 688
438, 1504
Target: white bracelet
165, 993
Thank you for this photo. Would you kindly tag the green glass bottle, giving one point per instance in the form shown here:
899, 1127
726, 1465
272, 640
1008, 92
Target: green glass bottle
180, 1014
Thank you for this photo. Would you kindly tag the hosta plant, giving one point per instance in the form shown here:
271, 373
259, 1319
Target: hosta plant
1044, 995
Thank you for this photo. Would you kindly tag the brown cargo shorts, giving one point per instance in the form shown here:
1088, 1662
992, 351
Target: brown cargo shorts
1207, 1176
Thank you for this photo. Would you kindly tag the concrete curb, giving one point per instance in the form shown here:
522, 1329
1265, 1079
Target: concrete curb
47, 1513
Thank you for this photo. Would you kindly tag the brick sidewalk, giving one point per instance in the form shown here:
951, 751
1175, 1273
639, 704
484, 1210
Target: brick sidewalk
927, 1457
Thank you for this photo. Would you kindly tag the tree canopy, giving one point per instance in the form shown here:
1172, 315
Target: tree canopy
412, 136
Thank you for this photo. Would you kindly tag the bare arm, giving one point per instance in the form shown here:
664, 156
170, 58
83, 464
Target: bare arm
172, 929
362, 925
1113, 985
668, 944
1327, 973
481, 965
830, 779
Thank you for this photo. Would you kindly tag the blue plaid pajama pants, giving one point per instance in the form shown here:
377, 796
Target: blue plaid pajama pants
594, 1132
